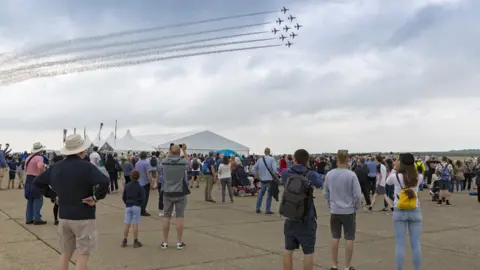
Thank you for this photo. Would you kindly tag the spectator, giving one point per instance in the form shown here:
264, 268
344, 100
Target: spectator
77, 185
175, 191
300, 233
344, 196
264, 170
133, 197
145, 180
34, 166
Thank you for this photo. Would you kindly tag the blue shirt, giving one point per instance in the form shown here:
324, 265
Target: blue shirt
127, 168
143, 167
372, 168
261, 172
313, 177
3, 162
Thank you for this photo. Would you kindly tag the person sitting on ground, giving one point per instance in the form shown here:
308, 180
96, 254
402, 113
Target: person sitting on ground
175, 191
299, 228
133, 197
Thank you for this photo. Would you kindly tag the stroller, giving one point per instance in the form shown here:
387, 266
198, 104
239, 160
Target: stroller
243, 184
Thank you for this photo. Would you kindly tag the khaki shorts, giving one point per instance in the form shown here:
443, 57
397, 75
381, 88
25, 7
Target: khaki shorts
79, 235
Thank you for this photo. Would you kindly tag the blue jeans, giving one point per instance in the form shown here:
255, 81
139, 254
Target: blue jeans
413, 221
34, 206
264, 186
460, 184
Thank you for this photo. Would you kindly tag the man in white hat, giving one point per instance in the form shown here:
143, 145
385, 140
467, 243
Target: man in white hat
34, 166
77, 186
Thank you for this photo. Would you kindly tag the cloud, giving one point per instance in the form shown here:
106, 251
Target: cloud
366, 75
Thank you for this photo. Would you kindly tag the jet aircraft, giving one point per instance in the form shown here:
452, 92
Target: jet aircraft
279, 21
274, 31
291, 18
288, 44
293, 35
286, 28
298, 26
284, 10
282, 37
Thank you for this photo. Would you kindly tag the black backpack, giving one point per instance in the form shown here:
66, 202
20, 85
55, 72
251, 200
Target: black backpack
153, 162
297, 197
195, 164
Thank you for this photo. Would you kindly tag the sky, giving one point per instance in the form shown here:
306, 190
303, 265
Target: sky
363, 75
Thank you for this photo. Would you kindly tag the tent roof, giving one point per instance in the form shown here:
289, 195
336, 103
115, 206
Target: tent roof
203, 140
128, 142
110, 140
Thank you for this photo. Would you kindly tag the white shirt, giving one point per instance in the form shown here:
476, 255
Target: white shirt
95, 158
392, 180
224, 171
383, 175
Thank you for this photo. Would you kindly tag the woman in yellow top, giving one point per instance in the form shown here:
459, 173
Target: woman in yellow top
419, 163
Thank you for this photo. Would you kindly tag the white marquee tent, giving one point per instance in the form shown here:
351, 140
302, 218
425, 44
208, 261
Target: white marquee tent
197, 142
129, 143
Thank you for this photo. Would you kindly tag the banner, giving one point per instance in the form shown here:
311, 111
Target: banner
74, 131
85, 132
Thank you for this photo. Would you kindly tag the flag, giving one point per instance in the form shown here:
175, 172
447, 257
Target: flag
85, 132
64, 135
100, 131
115, 129
115, 137
74, 130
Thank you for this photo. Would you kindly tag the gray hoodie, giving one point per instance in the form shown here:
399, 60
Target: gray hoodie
175, 176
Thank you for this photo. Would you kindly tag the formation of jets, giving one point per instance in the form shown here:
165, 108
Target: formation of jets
286, 27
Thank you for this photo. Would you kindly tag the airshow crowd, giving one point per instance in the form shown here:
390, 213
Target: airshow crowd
80, 176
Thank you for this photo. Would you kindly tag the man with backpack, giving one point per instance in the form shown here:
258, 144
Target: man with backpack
444, 171
343, 194
154, 164
194, 171
209, 171
298, 207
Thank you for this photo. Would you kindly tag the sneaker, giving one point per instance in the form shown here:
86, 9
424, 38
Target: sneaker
145, 214
190, 186
29, 222
124, 243
160, 213
448, 203
163, 245
439, 202
55, 223
269, 213
137, 244
181, 246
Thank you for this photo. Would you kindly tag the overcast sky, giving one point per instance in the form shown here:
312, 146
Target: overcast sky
364, 75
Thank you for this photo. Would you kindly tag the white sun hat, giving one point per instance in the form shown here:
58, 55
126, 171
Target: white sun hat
37, 147
74, 144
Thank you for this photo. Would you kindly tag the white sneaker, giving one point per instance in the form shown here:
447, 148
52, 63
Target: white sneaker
163, 245
160, 214
181, 246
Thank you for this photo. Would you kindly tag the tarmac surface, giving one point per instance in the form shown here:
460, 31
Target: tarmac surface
232, 236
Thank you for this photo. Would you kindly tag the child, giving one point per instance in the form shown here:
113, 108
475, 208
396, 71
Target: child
12, 166
133, 197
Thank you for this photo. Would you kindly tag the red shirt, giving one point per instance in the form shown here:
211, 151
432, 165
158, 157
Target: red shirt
283, 164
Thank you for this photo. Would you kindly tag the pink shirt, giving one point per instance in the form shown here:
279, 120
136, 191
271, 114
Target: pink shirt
34, 165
